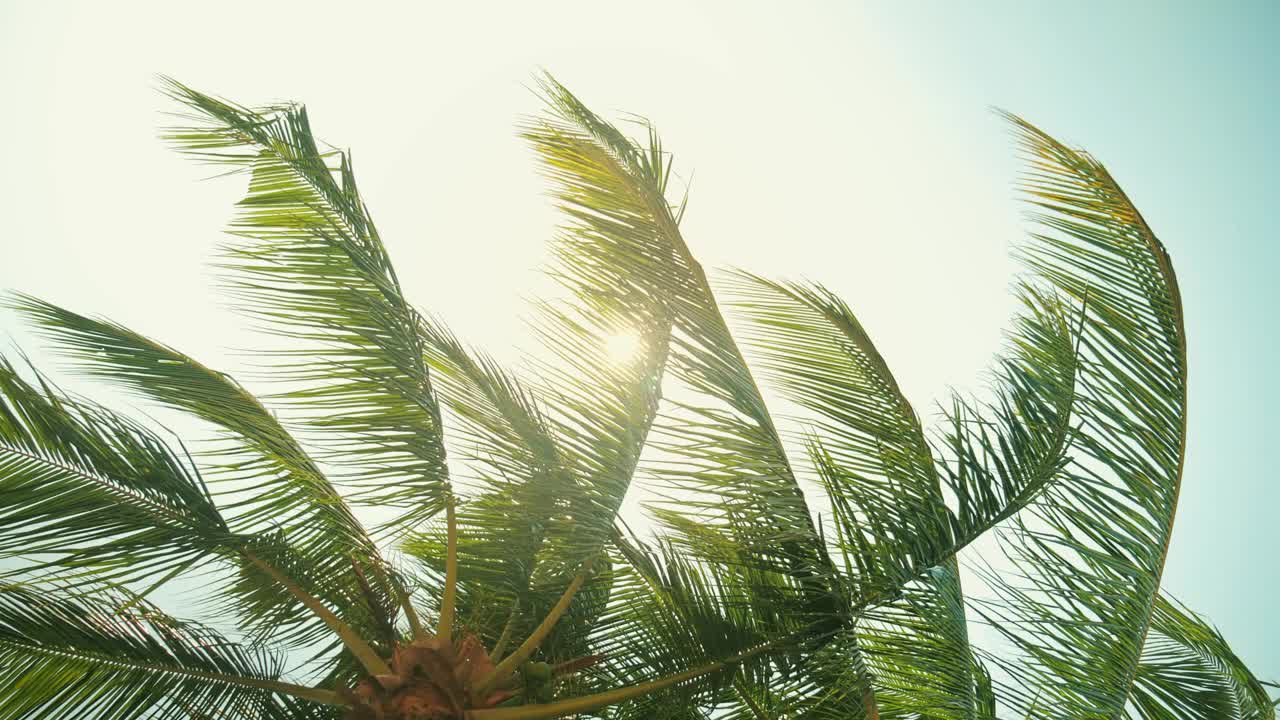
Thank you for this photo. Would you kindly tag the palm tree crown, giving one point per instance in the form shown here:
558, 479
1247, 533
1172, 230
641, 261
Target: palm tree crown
787, 575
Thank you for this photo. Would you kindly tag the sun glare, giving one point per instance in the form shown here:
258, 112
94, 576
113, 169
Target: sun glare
622, 347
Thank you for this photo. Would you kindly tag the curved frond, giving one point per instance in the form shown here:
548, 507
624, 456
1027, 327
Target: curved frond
1188, 671
108, 659
917, 652
523, 479
892, 528
285, 488
1092, 555
668, 616
831, 684
868, 445
93, 493
724, 461
266, 482
869, 449
668, 612
613, 245
311, 265
556, 461
997, 458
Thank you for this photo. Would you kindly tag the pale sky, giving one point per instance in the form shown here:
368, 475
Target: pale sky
848, 143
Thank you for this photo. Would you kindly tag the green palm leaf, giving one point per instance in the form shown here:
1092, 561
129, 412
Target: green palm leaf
893, 530
867, 444
284, 486
613, 244
668, 613
267, 483
1093, 554
918, 656
832, 684
555, 461
312, 266
727, 464
521, 472
1189, 671
93, 493
65, 656
869, 449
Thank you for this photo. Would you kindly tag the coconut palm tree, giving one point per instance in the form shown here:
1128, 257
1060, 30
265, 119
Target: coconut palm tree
810, 573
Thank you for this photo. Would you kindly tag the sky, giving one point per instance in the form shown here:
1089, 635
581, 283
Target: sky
844, 142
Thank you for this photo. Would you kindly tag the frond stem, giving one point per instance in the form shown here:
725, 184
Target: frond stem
741, 688
410, 614
588, 703
447, 604
501, 645
512, 662
374, 664
869, 704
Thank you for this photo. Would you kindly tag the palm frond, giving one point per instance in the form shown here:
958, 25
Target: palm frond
93, 493
527, 534
610, 250
998, 456
609, 259
312, 266
1189, 671
831, 684
265, 481
1092, 554
523, 476
702, 610
893, 531
726, 463
112, 658
696, 607
868, 445
501, 422
667, 613
288, 490
917, 651
556, 460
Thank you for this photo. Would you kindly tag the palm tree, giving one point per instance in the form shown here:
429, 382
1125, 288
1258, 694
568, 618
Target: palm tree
789, 574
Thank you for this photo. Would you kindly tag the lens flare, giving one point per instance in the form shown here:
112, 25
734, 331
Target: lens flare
622, 347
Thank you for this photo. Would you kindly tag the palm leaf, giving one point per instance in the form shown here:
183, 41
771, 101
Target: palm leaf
522, 475
867, 444
555, 461
727, 463
999, 456
268, 484
613, 244
312, 266
917, 651
1092, 555
1189, 671
94, 493
668, 613
832, 684
65, 656
286, 489
895, 534
869, 448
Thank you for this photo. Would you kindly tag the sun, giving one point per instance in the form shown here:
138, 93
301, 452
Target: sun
622, 347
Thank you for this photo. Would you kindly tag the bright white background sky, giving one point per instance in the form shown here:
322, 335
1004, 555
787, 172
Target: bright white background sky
843, 142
